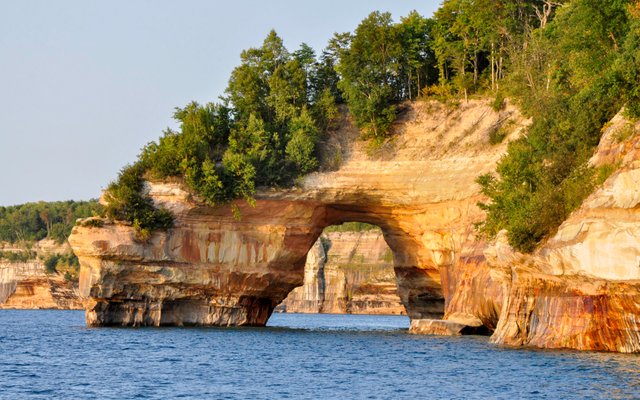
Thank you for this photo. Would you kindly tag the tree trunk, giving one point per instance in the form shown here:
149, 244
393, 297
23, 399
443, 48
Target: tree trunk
475, 68
493, 77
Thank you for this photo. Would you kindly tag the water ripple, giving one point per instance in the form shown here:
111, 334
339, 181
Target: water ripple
51, 355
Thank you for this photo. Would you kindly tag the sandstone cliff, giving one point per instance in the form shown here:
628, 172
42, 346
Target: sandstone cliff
580, 290
347, 272
214, 269
27, 285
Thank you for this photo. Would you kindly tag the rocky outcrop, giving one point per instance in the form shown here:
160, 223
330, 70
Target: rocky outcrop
354, 275
213, 269
27, 284
579, 290
575, 312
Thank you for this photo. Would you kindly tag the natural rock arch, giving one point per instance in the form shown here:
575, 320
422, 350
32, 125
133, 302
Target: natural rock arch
212, 269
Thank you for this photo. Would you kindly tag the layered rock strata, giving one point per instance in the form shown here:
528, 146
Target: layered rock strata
213, 269
27, 285
347, 272
579, 290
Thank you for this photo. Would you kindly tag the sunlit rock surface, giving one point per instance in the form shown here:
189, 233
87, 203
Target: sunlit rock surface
347, 272
214, 269
592, 299
27, 285
578, 290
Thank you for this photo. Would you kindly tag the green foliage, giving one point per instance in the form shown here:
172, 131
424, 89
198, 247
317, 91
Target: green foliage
498, 102
351, 227
496, 136
603, 172
54, 263
381, 64
626, 68
31, 222
570, 82
570, 65
17, 256
264, 133
500, 131
93, 223
50, 264
301, 149
127, 202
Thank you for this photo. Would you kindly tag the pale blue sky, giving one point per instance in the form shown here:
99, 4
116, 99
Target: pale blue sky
85, 84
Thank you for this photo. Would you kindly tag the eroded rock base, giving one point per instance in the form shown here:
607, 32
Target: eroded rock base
576, 312
445, 328
245, 311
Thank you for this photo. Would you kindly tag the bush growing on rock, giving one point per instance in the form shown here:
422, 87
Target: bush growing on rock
570, 65
571, 85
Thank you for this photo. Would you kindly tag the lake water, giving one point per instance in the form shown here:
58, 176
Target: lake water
52, 355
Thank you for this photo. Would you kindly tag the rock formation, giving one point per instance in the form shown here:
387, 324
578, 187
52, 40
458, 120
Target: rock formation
27, 285
354, 275
581, 289
213, 269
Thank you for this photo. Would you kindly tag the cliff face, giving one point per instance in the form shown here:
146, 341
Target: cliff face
26, 285
353, 275
213, 269
579, 290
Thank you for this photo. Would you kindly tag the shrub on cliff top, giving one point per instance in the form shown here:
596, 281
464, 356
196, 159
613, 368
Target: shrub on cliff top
571, 91
127, 201
264, 133
31, 222
17, 256
56, 262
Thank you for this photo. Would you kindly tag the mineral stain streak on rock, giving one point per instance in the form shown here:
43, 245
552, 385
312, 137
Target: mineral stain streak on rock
26, 285
212, 269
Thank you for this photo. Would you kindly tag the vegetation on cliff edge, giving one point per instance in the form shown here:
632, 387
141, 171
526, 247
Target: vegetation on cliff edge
569, 64
571, 72
30, 222
278, 104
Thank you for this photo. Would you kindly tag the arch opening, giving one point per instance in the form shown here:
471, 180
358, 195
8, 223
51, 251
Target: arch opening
349, 270
417, 288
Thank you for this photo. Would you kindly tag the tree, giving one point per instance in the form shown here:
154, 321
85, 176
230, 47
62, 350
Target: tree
370, 73
417, 58
301, 149
35, 221
567, 81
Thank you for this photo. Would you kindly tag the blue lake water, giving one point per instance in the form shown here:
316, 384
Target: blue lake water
52, 355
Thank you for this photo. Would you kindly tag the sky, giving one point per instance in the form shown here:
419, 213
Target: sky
85, 84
